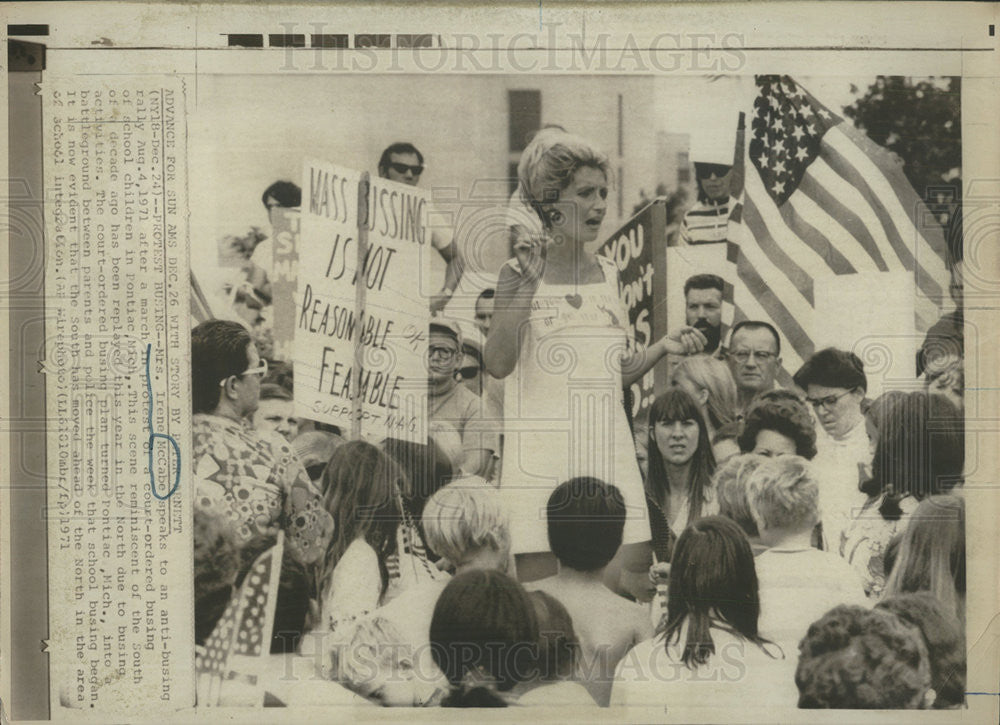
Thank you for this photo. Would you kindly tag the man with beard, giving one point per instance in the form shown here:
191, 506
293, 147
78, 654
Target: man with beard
703, 308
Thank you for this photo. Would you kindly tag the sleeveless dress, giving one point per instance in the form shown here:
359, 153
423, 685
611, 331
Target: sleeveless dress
564, 412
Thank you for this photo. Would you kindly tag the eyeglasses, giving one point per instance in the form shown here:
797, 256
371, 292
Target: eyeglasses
445, 354
403, 168
828, 402
762, 356
259, 370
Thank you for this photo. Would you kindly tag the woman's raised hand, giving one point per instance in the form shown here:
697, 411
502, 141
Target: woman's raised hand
529, 249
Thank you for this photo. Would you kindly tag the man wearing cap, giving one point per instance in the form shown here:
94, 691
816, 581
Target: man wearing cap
456, 413
403, 163
708, 220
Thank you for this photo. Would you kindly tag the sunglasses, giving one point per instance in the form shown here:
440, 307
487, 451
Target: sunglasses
259, 370
704, 171
403, 168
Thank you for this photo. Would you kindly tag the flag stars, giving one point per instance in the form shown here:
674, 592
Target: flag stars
825, 114
798, 133
779, 168
762, 160
802, 154
778, 187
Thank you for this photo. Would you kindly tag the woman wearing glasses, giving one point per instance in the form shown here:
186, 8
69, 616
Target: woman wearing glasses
835, 385
560, 336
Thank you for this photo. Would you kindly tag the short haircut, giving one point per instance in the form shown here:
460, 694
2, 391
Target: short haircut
586, 518
465, 517
273, 391
942, 634
285, 193
400, 147
218, 350
756, 325
854, 657
790, 419
784, 494
704, 281
484, 620
730, 482
832, 368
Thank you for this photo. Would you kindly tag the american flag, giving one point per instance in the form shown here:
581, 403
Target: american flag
244, 630
820, 197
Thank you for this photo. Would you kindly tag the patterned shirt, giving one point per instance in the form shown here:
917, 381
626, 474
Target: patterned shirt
258, 486
707, 222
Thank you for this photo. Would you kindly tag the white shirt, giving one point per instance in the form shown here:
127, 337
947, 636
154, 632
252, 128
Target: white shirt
797, 587
740, 674
836, 465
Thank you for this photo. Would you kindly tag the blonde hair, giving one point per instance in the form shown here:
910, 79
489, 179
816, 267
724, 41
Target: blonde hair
465, 517
712, 375
548, 164
784, 493
730, 483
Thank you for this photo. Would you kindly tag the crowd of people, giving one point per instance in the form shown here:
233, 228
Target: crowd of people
737, 543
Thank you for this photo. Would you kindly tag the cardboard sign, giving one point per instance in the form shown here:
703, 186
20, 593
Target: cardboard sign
391, 325
285, 233
637, 249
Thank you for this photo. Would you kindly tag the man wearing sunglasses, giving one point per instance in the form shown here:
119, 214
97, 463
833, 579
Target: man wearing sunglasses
254, 484
708, 220
403, 163
453, 408
835, 385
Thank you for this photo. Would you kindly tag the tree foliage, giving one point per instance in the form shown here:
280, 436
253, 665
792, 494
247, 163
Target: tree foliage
921, 122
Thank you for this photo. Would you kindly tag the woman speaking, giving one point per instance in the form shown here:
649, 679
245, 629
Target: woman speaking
560, 336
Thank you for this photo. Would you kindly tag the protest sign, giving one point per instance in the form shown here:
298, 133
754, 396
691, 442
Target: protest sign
391, 326
285, 233
638, 250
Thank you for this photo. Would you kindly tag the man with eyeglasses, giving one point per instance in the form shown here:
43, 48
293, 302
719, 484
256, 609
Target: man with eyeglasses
754, 358
403, 163
835, 385
254, 484
456, 412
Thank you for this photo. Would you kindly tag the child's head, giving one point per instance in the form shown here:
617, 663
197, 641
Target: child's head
465, 522
784, 496
558, 645
216, 567
374, 662
730, 482
484, 630
854, 657
586, 518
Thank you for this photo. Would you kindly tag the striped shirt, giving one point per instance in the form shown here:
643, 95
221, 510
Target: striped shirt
707, 222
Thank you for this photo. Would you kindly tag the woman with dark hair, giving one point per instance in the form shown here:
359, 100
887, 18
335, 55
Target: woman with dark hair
361, 487
680, 468
557, 317
919, 451
708, 648
779, 425
931, 554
